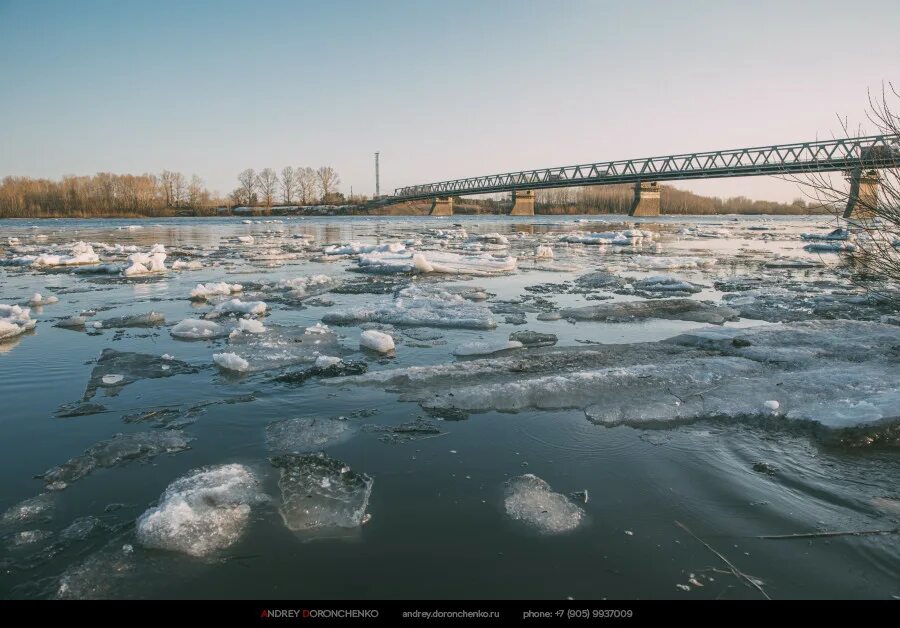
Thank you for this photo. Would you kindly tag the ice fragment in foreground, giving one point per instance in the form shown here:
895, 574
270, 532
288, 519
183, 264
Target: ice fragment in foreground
531, 500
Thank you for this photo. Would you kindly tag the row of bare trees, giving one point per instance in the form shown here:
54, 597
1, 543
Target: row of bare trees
103, 194
302, 186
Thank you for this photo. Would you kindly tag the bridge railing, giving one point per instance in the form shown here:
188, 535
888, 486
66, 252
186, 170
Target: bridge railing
875, 151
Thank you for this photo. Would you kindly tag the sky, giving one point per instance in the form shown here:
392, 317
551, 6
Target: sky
443, 89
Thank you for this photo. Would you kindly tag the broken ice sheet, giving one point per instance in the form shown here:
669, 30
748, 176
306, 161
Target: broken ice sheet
132, 367
307, 434
202, 512
531, 500
320, 493
673, 309
118, 450
425, 306
839, 374
284, 346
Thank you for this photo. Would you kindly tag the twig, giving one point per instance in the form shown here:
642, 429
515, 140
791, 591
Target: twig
817, 535
740, 575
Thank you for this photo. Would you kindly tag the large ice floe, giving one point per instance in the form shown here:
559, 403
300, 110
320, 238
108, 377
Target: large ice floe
118, 450
198, 329
629, 237
423, 306
675, 309
14, 320
279, 346
319, 493
531, 500
131, 367
307, 286
442, 262
78, 253
206, 291
202, 512
835, 373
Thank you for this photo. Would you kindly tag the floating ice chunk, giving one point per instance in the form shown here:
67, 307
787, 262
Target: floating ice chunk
246, 239
630, 237
29, 509
150, 319
318, 492
837, 234
665, 283
37, 300
118, 450
436, 262
324, 361
305, 287
543, 252
80, 253
376, 341
202, 512
484, 347
236, 306
772, 405
133, 367
533, 338
830, 247
318, 328
307, 435
248, 326
283, 346
231, 362
197, 329
648, 262
187, 264
675, 309
204, 291
531, 500
112, 380
420, 306
14, 320
146, 263
793, 262
356, 248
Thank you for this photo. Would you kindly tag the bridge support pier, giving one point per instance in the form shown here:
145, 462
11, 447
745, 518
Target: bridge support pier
442, 206
523, 203
646, 199
863, 194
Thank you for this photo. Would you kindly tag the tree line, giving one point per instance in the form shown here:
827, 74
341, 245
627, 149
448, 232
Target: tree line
293, 186
104, 194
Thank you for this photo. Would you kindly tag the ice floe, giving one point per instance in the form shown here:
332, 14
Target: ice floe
205, 291
419, 306
319, 493
376, 341
202, 512
118, 450
486, 347
531, 500
231, 362
676, 309
14, 320
236, 306
305, 435
198, 329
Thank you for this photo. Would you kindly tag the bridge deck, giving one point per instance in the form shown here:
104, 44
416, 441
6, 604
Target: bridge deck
875, 151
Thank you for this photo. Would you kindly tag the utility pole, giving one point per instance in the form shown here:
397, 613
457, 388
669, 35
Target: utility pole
377, 182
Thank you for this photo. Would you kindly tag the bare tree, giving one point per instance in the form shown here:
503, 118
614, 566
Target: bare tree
873, 194
249, 184
167, 181
328, 180
268, 185
306, 185
288, 184
197, 195
179, 190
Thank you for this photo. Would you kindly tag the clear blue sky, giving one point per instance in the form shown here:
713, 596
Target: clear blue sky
442, 89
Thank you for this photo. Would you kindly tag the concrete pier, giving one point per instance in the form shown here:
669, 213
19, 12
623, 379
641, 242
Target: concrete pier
442, 206
646, 200
863, 194
523, 203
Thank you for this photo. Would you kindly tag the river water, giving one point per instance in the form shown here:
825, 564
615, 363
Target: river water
296, 464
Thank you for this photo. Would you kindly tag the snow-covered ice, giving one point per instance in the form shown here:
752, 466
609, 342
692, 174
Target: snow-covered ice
531, 500
376, 341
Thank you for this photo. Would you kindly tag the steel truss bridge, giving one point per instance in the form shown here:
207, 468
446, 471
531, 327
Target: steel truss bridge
847, 154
